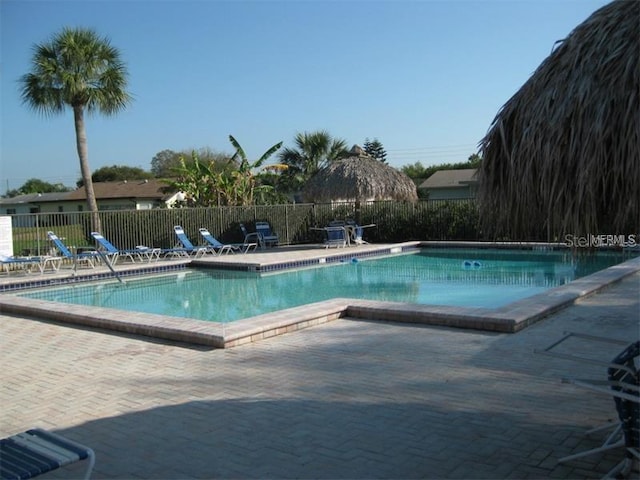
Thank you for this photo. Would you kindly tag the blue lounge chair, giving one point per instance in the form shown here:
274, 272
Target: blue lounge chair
113, 254
356, 231
141, 252
336, 236
27, 263
268, 237
253, 237
187, 247
221, 248
37, 451
86, 258
263, 235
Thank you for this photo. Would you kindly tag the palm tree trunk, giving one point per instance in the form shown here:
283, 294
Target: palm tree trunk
85, 170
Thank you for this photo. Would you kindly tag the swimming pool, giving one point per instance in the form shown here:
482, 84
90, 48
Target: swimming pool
485, 278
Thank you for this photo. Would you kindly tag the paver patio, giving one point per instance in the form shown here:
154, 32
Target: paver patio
347, 399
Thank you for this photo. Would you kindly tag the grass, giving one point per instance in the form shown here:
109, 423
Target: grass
34, 240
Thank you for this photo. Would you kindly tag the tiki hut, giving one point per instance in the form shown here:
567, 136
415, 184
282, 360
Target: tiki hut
562, 156
359, 178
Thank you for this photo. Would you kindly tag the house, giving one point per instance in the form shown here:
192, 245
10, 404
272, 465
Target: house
29, 203
451, 184
120, 195
124, 195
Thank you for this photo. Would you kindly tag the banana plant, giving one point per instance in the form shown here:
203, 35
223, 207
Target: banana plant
244, 178
198, 181
244, 165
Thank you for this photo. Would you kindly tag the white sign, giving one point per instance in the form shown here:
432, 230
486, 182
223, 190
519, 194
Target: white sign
6, 237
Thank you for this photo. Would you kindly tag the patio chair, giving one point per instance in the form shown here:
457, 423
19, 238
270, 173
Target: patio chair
185, 245
27, 263
268, 237
86, 258
623, 383
356, 231
263, 235
253, 237
111, 252
221, 248
37, 451
336, 237
624, 379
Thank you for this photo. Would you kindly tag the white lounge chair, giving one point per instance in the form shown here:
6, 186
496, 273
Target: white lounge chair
27, 263
222, 248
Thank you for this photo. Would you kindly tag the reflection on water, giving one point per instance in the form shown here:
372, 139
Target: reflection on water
483, 278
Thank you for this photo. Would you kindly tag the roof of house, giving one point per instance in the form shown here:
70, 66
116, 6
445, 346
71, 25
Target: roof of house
451, 179
34, 198
151, 189
148, 189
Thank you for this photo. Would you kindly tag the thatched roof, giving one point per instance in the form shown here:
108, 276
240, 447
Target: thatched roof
563, 154
359, 177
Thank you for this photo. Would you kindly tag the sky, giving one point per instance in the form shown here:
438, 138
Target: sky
426, 78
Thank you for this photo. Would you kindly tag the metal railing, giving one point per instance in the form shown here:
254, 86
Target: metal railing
395, 222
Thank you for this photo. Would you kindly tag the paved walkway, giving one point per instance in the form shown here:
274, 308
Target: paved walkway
348, 399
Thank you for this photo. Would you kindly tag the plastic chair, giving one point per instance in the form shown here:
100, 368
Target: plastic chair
34, 452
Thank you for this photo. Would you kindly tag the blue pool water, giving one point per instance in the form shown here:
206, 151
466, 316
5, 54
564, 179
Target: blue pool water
468, 278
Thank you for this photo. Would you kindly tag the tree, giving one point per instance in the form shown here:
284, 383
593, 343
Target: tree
80, 70
117, 172
419, 172
375, 149
313, 151
199, 183
416, 171
205, 184
164, 162
35, 185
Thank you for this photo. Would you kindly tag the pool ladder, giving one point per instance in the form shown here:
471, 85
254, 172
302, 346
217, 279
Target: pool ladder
105, 260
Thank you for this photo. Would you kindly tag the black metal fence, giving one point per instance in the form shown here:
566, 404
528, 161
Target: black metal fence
394, 222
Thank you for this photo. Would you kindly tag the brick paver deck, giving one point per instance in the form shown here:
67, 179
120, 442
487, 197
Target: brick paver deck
347, 399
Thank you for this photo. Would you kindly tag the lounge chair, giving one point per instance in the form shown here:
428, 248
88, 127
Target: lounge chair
111, 252
336, 237
37, 451
253, 237
356, 231
222, 248
85, 258
263, 235
141, 252
268, 237
185, 245
27, 263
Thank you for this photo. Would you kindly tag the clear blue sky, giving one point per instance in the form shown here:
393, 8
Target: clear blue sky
424, 77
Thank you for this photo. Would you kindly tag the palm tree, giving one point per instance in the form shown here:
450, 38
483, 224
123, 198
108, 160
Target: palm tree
81, 70
313, 151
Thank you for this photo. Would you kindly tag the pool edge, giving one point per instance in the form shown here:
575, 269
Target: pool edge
508, 319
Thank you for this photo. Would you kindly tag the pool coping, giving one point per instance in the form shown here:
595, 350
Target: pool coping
510, 318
